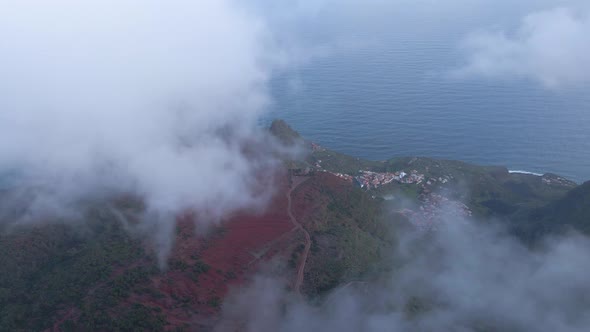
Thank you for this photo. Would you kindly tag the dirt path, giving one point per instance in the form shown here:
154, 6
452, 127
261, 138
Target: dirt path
301, 267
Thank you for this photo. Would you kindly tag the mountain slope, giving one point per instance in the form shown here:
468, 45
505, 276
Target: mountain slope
571, 212
92, 274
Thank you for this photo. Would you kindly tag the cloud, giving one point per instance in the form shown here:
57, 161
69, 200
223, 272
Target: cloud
549, 46
466, 276
157, 99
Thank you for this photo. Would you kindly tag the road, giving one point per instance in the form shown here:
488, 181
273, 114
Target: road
301, 267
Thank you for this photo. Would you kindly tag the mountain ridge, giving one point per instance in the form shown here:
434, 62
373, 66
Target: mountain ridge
349, 206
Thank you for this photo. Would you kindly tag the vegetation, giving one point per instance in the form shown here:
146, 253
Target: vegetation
569, 212
97, 277
349, 234
52, 267
214, 302
530, 205
281, 130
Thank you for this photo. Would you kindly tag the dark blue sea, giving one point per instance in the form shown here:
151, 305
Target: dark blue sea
390, 95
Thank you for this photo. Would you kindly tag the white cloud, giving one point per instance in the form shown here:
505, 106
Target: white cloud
143, 96
551, 47
467, 276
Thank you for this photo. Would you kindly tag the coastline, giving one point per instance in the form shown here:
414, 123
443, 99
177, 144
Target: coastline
524, 172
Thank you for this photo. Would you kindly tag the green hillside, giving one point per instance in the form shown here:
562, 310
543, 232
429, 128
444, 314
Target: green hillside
96, 276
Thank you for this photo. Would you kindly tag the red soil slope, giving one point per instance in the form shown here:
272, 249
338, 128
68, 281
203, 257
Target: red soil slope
232, 253
224, 258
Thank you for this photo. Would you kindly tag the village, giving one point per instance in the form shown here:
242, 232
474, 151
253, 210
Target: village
372, 180
434, 210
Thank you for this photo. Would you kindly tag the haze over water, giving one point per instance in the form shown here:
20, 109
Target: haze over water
389, 93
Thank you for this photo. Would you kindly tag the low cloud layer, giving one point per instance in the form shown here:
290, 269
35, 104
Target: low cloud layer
157, 99
549, 46
544, 41
463, 277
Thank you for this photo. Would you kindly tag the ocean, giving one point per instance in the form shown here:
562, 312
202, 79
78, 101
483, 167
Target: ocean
393, 96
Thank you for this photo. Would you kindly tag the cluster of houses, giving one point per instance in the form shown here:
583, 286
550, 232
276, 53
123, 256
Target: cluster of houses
346, 177
442, 180
556, 180
434, 210
371, 180
316, 147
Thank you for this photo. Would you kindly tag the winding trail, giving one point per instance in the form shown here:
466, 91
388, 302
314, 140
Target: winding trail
301, 268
